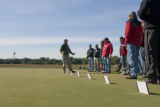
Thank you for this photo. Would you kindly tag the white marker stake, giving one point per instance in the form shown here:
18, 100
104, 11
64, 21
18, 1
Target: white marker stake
107, 80
71, 73
78, 74
89, 76
142, 87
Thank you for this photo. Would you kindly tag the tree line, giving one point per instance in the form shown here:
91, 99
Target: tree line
43, 60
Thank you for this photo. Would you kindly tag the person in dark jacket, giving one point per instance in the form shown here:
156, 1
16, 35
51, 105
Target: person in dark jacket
123, 56
65, 51
150, 12
96, 55
90, 58
133, 37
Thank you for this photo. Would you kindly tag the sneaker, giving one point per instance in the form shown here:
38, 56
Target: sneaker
116, 71
130, 77
144, 76
150, 82
103, 71
73, 71
124, 73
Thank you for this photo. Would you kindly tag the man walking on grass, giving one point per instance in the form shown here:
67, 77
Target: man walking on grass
150, 12
65, 51
133, 37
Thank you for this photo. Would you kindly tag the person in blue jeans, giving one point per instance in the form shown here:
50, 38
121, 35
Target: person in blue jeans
133, 39
106, 65
133, 52
90, 58
142, 62
106, 55
123, 56
101, 58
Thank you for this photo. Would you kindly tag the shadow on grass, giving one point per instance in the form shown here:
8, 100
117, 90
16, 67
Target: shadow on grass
154, 93
114, 84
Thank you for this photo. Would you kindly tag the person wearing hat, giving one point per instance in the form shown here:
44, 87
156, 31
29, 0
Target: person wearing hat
133, 38
65, 51
150, 12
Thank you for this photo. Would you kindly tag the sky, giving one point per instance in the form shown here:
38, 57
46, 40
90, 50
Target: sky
37, 28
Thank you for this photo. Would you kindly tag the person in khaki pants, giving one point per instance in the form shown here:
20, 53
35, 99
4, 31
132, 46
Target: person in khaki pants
65, 51
96, 55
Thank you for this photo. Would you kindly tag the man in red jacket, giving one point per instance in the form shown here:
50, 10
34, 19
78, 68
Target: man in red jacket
123, 56
106, 53
110, 56
133, 38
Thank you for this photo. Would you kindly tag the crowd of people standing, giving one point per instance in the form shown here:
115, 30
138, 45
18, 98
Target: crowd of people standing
140, 47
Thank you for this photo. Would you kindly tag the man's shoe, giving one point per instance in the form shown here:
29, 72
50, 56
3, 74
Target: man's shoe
130, 77
124, 73
158, 82
116, 71
150, 82
73, 71
144, 76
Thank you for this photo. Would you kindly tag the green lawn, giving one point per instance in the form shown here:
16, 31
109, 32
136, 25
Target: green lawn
49, 87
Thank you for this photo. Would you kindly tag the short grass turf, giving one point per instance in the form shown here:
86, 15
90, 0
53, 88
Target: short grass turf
49, 87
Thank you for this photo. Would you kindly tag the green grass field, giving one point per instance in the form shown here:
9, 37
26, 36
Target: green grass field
49, 87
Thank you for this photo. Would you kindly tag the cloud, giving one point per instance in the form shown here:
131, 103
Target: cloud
10, 41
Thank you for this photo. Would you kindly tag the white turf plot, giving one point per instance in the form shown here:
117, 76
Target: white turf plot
142, 87
89, 76
78, 73
106, 78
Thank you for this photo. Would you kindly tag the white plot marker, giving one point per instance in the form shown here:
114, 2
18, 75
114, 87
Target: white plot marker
142, 87
78, 73
89, 76
71, 73
107, 80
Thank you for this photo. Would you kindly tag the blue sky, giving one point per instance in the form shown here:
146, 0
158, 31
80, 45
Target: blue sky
36, 28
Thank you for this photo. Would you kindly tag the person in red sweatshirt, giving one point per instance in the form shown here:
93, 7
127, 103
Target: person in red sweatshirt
133, 38
106, 54
123, 56
110, 56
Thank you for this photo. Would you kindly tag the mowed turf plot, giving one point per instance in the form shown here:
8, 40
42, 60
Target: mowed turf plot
49, 87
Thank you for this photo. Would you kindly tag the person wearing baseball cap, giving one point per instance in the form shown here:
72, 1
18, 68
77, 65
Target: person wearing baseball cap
65, 51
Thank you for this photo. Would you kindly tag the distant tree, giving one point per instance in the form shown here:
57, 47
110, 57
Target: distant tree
115, 60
